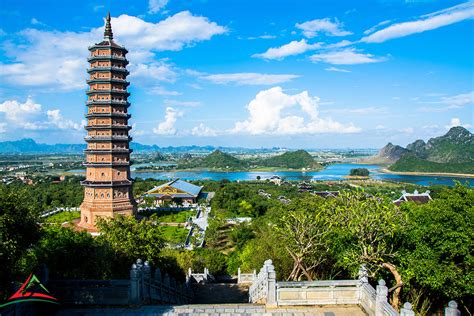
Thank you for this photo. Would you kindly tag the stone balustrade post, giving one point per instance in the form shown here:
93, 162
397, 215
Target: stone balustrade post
146, 284
381, 298
407, 310
238, 276
271, 284
452, 309
254, 277
135, 289
363, 274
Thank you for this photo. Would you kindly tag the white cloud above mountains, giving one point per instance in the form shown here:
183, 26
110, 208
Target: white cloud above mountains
30, 116
167, 127
326, 26
57, 59
268, 115
154, 6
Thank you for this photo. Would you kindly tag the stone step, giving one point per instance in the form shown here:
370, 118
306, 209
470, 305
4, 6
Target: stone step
220, 293
217, 310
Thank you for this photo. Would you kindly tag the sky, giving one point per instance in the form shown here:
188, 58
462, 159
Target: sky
266, 73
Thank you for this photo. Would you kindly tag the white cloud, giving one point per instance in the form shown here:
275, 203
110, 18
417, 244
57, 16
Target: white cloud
292, 48
3, 128
56, 119
266, 115
169, 102
455, 121
249, 78
348, 56
358, 111
428, 22
336, 69
265, 36
20, 113
159, 90
167, 126
313, 28
154, 71
203, 131
154, 6
29, 116
458, 101
58, 59
375, 27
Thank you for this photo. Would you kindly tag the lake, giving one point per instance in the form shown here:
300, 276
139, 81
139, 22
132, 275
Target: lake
332, 172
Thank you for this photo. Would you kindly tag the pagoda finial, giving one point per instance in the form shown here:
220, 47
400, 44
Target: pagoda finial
108, 28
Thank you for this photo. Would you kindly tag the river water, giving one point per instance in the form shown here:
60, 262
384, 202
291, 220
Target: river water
332, 172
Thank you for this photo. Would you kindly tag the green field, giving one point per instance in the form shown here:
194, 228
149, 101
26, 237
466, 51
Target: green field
179, 217
63, 217
174, 234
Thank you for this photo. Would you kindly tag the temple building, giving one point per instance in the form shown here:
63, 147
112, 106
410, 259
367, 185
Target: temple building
419, 198
178, 191
108, 186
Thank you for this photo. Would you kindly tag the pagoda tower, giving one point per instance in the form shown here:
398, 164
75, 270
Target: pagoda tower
108, 185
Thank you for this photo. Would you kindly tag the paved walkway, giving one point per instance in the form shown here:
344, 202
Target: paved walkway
218, 310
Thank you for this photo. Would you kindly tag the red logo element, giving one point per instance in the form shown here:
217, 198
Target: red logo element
29, 291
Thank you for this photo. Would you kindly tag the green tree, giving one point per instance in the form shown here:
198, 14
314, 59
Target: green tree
437, 254
19, 231
367, 230
133, 238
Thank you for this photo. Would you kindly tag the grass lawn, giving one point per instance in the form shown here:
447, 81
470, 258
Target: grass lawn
62, 217
179, 217
174, 234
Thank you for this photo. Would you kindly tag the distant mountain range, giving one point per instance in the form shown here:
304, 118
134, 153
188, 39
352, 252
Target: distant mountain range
29, 146
450, 153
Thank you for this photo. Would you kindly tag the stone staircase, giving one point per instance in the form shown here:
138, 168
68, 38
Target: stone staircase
217, 310
221, 293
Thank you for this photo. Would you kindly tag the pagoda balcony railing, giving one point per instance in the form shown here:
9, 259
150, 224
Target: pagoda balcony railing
112, 114
121, 91
103, 164
93, 102
106, 183
108, 80
107, 138
123, 49
94, 57
121, 69
108, 151
108, 126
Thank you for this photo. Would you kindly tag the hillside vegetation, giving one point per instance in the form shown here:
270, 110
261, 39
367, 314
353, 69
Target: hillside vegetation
292, 160
450, 153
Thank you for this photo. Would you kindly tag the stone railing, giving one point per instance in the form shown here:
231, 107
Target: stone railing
141, 288
265, 290
204, 277
246, 277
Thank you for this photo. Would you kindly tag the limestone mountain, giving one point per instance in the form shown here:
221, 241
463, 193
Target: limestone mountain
292, 160
388, 154
221, 160
452, 152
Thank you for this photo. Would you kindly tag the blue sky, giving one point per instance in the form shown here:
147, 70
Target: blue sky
300, 74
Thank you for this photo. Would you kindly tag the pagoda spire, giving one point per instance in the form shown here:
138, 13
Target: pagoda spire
108, 35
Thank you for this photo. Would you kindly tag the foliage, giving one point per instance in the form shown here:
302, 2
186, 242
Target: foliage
18, 232
292, 160
411, 163
62, 217
437, 249
132, 238
359, 172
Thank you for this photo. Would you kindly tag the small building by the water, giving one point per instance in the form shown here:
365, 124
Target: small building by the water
420, 198
326, 194
178, 191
